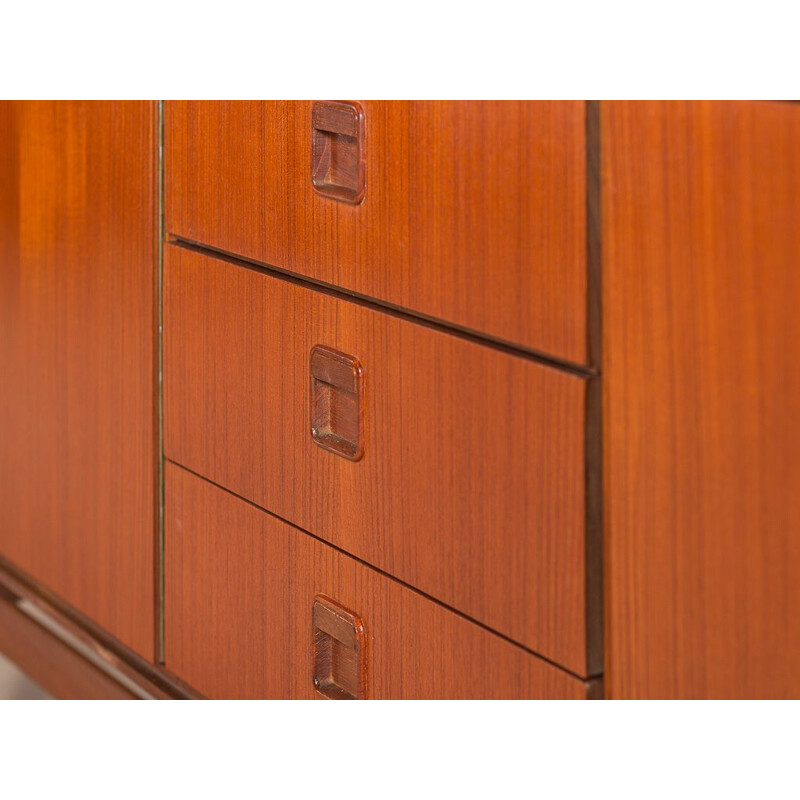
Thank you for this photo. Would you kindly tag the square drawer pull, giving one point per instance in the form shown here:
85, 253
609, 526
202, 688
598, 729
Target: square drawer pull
338, 162
339, 651
337, 402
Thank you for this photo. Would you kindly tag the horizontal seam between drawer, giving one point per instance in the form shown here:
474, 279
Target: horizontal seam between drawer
408, 315
386, 574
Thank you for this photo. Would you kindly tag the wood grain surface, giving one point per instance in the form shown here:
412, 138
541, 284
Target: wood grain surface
471, 485
77, 375
240, 588
49, 662
474, 213
701, 237
91, 642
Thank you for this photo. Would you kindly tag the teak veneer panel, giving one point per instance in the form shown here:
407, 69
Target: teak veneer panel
471, 485
240, 587
701, 209
77, 340
474, 213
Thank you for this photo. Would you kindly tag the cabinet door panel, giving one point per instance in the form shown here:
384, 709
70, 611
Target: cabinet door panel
701, 207
77, 254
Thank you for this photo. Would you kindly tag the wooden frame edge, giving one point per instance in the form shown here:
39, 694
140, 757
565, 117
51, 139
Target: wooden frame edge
69, 655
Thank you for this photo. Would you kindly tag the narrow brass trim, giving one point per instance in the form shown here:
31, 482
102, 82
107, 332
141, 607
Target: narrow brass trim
159, 548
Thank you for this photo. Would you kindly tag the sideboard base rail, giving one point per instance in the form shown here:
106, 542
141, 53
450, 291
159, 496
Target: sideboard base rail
68, 655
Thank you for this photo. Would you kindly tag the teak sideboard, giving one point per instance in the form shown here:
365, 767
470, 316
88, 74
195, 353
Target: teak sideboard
389, 399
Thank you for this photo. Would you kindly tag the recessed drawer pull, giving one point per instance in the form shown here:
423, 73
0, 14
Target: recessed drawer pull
337, 402
338, 162
339, 651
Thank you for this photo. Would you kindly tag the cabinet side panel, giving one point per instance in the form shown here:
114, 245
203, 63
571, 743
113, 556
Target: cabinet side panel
701, 251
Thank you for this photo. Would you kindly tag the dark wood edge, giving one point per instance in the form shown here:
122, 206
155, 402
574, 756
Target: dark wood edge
593, 443
594, 528
595, 689
102, 653
408, 315
594, 272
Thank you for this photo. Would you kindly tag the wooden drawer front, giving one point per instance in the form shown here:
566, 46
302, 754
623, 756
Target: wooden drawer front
474, 212
471, 483
240, 588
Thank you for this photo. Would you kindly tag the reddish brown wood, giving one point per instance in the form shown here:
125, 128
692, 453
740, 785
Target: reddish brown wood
88, 640
701, 250
474, 212
77, 247
49, 662
239, 592
471, 487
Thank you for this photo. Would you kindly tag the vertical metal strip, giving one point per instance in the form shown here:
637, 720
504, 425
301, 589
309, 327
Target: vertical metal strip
159, 552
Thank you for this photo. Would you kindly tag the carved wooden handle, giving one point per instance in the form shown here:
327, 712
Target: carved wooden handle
338, 160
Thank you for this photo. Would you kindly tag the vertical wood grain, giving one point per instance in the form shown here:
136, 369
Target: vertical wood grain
474, 212
77, 245
701, 238
241, 586
472, 483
